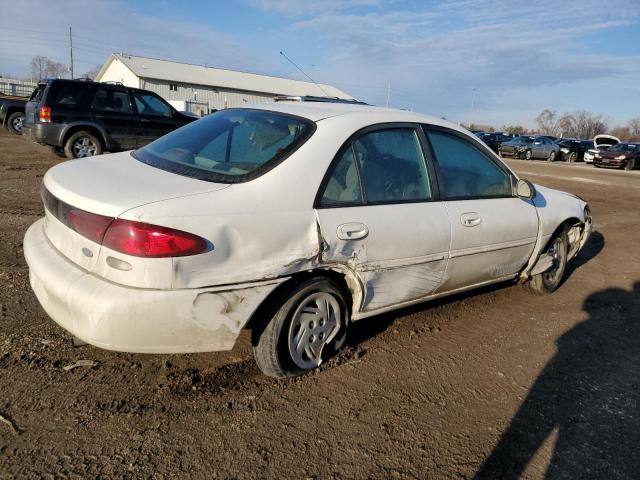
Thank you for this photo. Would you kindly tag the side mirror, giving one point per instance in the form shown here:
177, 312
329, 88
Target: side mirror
525, 189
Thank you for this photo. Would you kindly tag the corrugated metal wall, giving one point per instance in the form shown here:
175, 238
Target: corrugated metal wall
214, 98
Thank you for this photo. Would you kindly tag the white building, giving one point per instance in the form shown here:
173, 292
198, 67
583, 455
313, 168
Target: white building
201, 89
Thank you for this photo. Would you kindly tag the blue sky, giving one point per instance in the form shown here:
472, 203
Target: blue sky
509, 59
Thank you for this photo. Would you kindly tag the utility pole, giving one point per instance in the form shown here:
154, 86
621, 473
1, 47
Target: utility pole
71, 51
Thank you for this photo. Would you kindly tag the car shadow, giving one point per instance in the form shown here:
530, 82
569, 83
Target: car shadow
589, 393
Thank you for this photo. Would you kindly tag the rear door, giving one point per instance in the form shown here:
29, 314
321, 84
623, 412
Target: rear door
380, 216
111, 108
493, 232
156, 116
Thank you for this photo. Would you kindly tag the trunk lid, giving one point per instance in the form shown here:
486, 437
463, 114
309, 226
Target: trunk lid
107, 185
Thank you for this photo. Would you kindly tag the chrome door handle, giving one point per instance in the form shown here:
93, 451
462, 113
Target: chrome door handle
352, 231
470, 219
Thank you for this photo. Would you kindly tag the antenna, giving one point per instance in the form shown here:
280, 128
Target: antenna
314, 82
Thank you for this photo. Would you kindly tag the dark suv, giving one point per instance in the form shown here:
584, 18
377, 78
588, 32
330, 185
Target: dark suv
81, 118
494, 139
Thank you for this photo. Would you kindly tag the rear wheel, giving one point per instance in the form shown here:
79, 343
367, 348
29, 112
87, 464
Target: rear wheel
15, 122
82, 144
548, 281
630, 164
313, 318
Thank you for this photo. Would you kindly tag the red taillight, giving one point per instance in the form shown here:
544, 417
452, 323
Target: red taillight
89, 225
144, 240
44, 114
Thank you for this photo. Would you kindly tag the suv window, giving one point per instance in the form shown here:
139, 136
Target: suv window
387, 165
111, 100
148, 104
466, 172
65, 95
229, 146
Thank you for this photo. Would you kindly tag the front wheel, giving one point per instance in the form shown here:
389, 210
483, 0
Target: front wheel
548, 281
312, 319
572, 157
82, 144
552, 157
15, 122
630, 164
527, 155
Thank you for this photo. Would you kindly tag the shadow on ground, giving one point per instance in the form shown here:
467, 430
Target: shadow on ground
589, 393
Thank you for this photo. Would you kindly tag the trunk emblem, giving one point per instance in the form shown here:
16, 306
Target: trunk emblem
87, 252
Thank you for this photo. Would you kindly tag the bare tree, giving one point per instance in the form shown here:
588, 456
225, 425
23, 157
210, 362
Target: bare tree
92, 73
513, 129
548, 123
56, 69
39, 67
622, 133
634, 129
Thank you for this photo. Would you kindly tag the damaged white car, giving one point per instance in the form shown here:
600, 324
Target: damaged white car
292, 219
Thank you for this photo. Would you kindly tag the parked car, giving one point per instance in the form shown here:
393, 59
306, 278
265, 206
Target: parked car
573, 150
494, 139
600, 144
80, 118
530, 148
12, 112
290, 219
621, 155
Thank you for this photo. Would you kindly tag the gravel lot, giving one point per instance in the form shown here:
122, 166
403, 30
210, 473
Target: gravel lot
496, 383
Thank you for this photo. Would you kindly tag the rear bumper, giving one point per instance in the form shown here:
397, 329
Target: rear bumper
44, 133
121, 318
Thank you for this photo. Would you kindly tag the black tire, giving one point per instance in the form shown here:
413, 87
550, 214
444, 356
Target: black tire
528, 155
15, 122
551, 157
272, 342
572, 157
75, 145
630, 164
547, 282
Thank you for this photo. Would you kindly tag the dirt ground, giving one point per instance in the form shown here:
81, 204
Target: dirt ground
494, 384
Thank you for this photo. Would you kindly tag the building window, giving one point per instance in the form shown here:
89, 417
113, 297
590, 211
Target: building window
173, 87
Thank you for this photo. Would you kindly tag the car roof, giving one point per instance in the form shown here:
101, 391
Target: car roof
318, 111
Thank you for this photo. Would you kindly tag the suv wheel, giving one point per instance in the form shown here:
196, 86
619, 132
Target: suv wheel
82, 144
14, 122
313, 317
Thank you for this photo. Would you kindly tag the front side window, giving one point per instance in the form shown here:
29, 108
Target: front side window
148, 104
383, 166
228, 146
466, 172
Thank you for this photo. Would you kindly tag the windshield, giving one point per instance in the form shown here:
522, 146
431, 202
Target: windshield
228, 146
623, 147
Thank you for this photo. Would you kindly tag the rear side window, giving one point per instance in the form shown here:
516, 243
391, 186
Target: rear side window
466, 172
65, 95
37, 93
229, 146
111, 100
383, 166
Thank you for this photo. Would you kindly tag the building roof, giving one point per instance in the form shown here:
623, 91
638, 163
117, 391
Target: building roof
144, 67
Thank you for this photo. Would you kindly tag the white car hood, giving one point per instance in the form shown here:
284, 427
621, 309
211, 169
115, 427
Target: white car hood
112, 184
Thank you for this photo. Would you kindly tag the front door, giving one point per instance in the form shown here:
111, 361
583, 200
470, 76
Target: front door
379, 216
156, 116
493, 232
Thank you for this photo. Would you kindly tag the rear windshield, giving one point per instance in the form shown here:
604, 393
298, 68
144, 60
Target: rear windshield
229, 146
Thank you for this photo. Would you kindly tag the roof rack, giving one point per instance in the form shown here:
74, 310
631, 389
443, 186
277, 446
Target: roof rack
311, 98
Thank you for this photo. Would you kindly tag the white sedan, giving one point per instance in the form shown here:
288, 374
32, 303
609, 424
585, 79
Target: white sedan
292, 219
